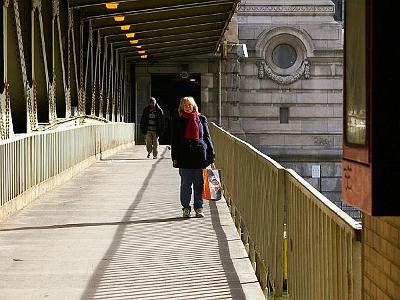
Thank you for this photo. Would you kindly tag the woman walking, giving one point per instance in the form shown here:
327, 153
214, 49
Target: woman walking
191, 150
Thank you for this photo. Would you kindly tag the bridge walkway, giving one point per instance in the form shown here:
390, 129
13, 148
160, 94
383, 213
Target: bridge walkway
115, 231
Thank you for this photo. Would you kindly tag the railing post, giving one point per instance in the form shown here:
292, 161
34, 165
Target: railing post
252, 253
280, 213
245, 239
356, 267
261, 274
237, 222
232, 210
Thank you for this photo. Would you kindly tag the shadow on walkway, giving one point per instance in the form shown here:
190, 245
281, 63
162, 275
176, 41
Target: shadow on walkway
119, 228
173, 261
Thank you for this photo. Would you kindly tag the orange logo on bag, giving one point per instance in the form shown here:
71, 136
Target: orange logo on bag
215, 184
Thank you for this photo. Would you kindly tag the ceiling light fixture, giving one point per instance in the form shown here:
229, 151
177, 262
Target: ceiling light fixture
133, 42
138, 47
130, 35
142, 52
125, 27
143, 56
119, 18
112, 5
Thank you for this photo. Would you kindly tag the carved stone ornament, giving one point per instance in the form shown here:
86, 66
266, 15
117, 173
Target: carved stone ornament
6, 3
287, 9
264, 71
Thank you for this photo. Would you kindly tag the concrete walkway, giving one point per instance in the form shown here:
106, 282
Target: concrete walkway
116, 232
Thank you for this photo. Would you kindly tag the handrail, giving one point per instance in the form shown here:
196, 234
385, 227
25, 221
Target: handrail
324, 247
254, 184
29, 160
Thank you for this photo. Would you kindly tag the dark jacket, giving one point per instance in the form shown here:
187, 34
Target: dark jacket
191, 154
159, 120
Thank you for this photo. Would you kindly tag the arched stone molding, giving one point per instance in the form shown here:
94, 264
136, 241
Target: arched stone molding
301, 44
267, 36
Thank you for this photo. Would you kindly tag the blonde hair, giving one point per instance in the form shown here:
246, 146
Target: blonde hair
190, 99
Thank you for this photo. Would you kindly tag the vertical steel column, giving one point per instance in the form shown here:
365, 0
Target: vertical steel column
73, 67
40, 71
220, 90
116, 87
103, 80
59, 72
112, 76
122, 91
19, 89
109, 85
96, 76
53, 85
81, 86
5, 96
89, 67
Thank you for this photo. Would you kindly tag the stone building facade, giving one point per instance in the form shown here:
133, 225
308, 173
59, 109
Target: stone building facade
291, 86
285, 98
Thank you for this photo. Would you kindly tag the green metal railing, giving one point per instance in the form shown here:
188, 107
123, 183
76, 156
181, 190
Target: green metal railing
323, 243
29, 160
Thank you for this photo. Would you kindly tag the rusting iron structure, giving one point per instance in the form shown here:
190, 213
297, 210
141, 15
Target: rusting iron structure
64, 60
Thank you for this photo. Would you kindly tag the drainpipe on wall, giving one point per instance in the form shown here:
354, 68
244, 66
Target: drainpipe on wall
220, 91
137, 131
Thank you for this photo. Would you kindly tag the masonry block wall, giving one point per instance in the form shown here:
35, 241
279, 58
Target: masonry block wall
381, 258
290, 99
292, 113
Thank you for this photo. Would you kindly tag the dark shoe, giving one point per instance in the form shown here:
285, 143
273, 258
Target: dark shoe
154, 157
199, 213
186, 213
148, 155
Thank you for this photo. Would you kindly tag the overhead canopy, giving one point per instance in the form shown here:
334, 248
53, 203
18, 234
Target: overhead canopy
161, 28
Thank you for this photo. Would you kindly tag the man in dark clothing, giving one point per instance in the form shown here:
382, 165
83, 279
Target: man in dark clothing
151, 125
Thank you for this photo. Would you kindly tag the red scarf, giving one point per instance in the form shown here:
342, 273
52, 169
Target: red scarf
192, 127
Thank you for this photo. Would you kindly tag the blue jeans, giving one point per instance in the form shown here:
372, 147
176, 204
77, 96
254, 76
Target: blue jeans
191, 177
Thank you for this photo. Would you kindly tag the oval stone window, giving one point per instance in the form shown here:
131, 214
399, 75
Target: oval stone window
284, 56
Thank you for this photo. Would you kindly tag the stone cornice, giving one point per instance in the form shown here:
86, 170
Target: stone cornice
302, 10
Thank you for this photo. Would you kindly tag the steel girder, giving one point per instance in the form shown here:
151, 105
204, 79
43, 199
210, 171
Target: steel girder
63, 59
